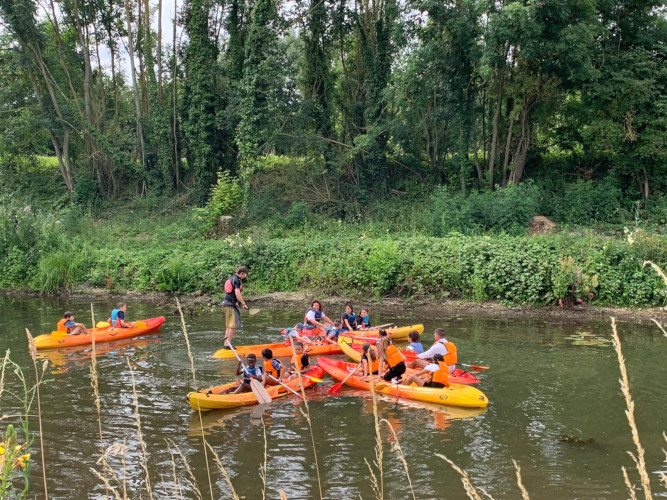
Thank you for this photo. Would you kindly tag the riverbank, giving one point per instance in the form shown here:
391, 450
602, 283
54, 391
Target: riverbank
193, 304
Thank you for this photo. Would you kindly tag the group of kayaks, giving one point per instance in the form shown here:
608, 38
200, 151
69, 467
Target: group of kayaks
457, 393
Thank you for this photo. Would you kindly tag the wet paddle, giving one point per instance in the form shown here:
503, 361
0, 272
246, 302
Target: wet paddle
475, 367
285, 386
253, 311
335, 389
257, 389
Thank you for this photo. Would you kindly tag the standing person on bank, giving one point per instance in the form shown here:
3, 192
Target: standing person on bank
233, 298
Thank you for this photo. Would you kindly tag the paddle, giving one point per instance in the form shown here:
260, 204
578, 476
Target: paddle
335, 389
257, 389
379, 327
314, 379
475, 367
253, 311
284, 385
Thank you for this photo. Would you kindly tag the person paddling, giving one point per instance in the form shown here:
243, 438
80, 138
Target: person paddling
438, 374
250, 371
68, 325
272, 368
233, 298
299, 362
117, 318
441, 346
315, 317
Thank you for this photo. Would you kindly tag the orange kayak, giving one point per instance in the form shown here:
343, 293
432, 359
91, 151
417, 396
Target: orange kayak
211, 399
61, 339
452, 395
280, 350
353, 351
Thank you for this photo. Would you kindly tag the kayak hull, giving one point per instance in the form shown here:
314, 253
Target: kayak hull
212, 399
398, 333
61, 339
353, 351
280, 350
454, 395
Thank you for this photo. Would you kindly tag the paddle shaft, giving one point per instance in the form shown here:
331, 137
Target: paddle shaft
259, 391
337, 387
474, 367
284, 385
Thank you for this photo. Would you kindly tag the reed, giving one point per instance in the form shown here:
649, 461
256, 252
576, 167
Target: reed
663, 475
628, 485
194, 386
115, 449
659, 326
396, 447
107, 485
38, 382
519, 481
2, 372
178, 489
142, 443
223, 470
378, 443
263, 468
630, 414
192, 481
95, 383
657, 269
465, 479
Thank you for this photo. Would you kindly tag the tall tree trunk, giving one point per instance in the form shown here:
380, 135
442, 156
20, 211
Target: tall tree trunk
135, 86
508, 144
174, 79
496, 118
159, 47
521, 152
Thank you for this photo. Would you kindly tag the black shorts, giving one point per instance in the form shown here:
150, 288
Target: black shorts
395, 371
437, 385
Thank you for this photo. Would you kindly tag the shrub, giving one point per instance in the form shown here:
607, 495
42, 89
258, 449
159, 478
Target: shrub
226, 199
58, 271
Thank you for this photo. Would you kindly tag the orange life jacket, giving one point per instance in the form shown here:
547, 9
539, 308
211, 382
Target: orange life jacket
297, 360
61, 325
269, 369
441, 375
393, 356
451, 358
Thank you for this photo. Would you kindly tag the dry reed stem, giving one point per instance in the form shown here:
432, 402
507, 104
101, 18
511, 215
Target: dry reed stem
38, 382
114, 449
282, 495
223, 470
262, 469
378, 442
374, 480
310, 423
486, 493
2, 372
194, 385
142, 443
663, 476
659, 326
657, 269
628, 485
94, 381
187, 343
630, 414
519, 481
192, 481
396, 446
107, 484
177, 484
465, 479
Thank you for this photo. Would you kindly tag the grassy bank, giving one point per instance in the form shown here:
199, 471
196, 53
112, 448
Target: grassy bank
150, 248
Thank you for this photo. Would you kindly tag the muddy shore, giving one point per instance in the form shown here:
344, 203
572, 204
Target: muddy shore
418, 305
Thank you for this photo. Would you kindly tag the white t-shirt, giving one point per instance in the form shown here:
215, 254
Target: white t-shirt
432, 367
437, 348
310, 315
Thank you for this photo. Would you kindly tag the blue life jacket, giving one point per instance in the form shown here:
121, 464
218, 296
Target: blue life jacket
247, 371
114, 317
318, 316
365, 321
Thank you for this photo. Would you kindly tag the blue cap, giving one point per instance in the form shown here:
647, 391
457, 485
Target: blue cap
299, 326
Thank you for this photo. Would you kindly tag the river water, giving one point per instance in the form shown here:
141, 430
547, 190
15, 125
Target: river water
541, 387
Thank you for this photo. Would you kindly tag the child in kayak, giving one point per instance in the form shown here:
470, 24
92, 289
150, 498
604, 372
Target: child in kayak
438, 374
368, 356
250, 371
117, 318
415, 346
363, 321
300, 360
333, 332
394, 366
272, 368
293, 335
68, 325
349, 319
315, 317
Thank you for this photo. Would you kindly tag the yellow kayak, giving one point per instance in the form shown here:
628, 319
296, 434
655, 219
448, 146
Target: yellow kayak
398, 333
452, 395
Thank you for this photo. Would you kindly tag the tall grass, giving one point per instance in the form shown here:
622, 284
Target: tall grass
38, 378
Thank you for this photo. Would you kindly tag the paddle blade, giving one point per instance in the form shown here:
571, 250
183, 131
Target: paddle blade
335, 389
259, 392
253, 311
102, 324
314, 379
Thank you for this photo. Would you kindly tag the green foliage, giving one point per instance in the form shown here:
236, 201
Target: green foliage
586, 201
58, 271
226, 199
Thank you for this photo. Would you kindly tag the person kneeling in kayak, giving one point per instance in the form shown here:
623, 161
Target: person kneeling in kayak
250, 371
300, 360
392, 358
68, 325
438, 374
441, 346
368, 356
272, 368
117, 318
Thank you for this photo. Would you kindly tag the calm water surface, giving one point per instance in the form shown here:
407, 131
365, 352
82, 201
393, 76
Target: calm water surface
540, 387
